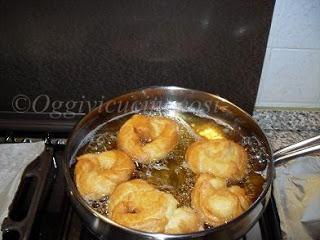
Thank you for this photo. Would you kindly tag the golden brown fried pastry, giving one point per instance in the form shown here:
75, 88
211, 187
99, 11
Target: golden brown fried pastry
98, 174
138, 205
217, 203
184, 220
221, 157
148, 138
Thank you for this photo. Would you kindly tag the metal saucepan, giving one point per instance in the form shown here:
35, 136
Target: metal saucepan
176, 99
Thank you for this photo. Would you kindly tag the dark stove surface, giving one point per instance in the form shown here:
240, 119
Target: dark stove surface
55, 218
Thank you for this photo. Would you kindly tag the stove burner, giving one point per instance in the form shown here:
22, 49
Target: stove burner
53, 217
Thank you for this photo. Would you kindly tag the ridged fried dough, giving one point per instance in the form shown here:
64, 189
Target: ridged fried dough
217, 203
138, 205
148, 138
221, 157
97, 175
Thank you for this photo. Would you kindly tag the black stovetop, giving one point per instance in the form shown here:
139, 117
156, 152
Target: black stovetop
54, 217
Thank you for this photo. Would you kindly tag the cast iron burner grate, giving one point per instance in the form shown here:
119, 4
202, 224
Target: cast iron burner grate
41, 209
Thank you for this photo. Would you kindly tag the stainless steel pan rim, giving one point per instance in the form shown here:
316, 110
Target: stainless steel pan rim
74, 192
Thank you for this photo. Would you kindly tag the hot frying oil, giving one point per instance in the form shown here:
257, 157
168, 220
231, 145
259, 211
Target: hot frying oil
172, 174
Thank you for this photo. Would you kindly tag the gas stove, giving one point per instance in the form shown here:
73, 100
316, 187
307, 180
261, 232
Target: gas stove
51, 216
64, 57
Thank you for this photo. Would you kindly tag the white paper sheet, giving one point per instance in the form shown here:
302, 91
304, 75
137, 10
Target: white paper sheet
13, 160
297, 195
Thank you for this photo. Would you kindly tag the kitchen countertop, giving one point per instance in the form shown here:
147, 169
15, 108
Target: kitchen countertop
285, 127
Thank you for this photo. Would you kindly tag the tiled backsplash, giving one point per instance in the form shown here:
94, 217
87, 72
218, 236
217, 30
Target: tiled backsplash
291, 71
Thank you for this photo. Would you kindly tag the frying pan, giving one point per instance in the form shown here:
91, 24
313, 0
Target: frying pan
177, 100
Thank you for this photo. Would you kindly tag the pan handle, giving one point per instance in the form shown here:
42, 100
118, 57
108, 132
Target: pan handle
299, 149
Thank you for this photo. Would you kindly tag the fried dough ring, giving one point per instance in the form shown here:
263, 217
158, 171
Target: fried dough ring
148, 138
217, 203
97, 175
221, 158
138, 205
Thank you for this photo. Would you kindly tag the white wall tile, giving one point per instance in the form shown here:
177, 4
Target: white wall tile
291, 78
295, 24
266, 64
